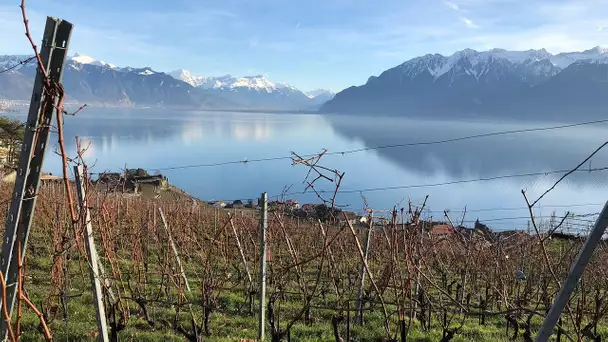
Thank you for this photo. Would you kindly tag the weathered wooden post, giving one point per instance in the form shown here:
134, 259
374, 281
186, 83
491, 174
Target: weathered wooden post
174, 248
94, 270
53, 51
241, 252
263, 250
181, 268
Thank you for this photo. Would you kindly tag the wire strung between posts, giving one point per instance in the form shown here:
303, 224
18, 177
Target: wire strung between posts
411, 144
519, 208
410, 186
571, 218
23, 62
484, 179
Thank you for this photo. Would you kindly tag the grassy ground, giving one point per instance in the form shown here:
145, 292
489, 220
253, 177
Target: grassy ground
230, 322
140, 262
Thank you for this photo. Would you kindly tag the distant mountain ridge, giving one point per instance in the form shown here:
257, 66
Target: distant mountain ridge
321, 95
252, 91
487, 83
100, 83
184, 75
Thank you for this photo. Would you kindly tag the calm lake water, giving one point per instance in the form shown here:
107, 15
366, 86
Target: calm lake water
166, 141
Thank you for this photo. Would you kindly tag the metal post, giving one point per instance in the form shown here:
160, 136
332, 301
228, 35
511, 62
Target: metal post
576, 270
263, 249
359, 313
93, 258
35, 140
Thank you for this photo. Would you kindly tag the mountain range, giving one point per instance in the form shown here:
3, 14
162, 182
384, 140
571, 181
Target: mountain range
493, 83
96, 82
499, 83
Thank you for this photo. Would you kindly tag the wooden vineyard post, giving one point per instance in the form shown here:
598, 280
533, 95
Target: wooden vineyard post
241, 252
174, 248
36, 134
181, 268
263, 251
94, 270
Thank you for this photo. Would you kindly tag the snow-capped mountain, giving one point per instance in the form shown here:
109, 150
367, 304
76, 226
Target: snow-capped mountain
481, 83
83, 59
320, 96
249, 91
97, 82
14, 62
186, 76
317, 92
217, 82
252, 92
259, 83
477, 64
87, 79
12, 83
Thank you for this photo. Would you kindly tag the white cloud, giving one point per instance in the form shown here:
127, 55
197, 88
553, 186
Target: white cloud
369, 38
452, 5
469, 23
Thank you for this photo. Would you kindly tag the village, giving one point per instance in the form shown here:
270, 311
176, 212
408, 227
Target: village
433, 229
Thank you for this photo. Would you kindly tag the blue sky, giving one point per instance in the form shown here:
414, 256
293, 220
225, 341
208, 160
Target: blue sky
310, 44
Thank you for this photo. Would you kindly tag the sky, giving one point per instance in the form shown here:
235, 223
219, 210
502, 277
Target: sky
331, 44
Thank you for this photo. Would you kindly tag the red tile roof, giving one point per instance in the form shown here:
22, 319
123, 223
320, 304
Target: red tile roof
442, 229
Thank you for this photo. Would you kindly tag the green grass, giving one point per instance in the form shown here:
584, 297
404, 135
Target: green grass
230, 320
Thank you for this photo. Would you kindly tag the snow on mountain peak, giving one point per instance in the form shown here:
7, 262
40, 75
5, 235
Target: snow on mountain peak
438, 65
146, 72
596, 54
10, 61
596, 51
256, 82
83, 59
314, 93
187, 77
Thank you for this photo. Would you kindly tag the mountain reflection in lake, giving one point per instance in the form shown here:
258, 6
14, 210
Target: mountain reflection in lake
164, 141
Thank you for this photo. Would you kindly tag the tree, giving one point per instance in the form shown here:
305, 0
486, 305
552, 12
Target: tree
11, 136
327, 214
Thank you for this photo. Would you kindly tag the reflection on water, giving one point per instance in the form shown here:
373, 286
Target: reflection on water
256, 130
163, 141
494, 156
191, 132
483, 157
151, 127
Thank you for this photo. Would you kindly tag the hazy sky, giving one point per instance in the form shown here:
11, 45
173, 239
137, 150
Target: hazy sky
310, 44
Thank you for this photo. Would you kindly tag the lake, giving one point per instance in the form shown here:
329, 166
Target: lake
184, 146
